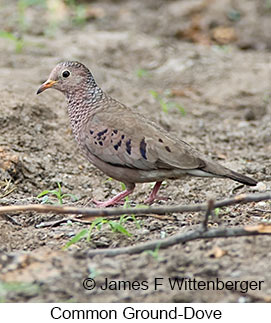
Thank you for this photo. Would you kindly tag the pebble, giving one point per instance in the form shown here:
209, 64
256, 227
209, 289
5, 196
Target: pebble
145, 231
262, 204
261, 187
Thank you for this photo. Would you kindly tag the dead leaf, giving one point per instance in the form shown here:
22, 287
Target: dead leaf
187, 92
194, 32
261, 228
94, 13
240, 197
220, 155
7, 159
224, 35
217, 252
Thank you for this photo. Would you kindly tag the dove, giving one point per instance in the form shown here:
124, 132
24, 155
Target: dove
123, 143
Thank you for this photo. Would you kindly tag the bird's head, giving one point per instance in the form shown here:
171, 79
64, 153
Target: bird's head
68, 77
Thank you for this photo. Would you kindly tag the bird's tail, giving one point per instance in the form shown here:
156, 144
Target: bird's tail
221, 171
241, 178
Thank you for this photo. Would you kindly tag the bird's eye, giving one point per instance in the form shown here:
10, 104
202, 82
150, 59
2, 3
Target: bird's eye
66, 73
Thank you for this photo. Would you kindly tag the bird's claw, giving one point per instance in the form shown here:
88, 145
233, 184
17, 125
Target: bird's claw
107, 203
151, 199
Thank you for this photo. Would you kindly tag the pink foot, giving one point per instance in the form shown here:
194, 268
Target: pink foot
151, 199
110, 202
118, 199
153, 196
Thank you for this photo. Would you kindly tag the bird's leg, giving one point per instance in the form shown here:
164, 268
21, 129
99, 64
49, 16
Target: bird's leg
118, 198
153, 196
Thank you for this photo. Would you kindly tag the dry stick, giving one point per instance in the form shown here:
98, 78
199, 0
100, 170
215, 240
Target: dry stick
176, 239
73, 219
11, 219
243, 198
162, 243
263, 211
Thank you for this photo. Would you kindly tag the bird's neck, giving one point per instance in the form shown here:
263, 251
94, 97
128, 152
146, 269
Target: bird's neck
81, 105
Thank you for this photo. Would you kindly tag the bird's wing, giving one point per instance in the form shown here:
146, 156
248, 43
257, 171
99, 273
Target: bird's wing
124, 138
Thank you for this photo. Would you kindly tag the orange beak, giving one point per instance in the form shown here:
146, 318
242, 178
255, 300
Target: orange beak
46, 85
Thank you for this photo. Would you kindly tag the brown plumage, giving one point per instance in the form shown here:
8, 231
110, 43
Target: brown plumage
121, 142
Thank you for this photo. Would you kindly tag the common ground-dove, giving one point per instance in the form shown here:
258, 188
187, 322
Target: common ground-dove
121, 142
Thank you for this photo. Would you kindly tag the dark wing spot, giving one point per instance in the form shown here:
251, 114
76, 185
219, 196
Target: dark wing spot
142, 148
100, 143
91, 132
119, 143
122, 137
116, 147
168, 149
95, 142
115, 131
101, 133
128, 146
160, 140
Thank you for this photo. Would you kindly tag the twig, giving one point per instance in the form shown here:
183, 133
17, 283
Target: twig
176, 239
163, 243
207, 214
50, 224
235, 188
7, 185
89, 219
261, 210
162, 210
79, 220
10, 219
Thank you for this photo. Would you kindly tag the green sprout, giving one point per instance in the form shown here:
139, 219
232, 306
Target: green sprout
79, 10
56, 193
22, 6
165, 104
17, 41
154, 253
141, 72
268, 4
126, 217
126, 199
82, 234
80, 15
115, 226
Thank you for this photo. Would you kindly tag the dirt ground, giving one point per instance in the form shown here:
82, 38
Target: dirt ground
213, 57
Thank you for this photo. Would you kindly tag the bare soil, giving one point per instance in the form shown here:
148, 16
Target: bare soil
214, 57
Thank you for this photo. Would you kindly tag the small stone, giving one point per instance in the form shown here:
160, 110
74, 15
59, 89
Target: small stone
262, 204
145, 231
261, 187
